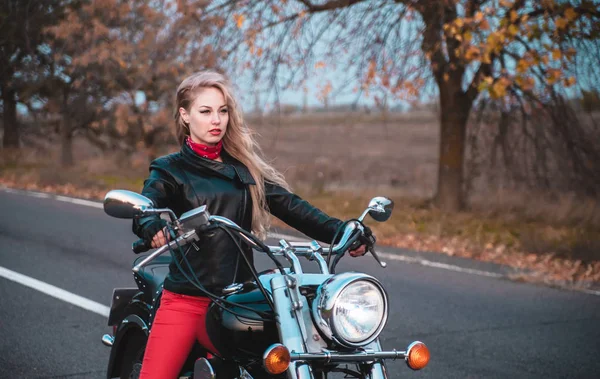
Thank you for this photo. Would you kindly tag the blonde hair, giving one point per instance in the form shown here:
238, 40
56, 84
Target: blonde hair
238, 141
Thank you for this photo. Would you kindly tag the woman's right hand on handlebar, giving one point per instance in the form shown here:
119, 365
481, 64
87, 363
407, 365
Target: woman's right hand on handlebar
159, 239
155, 232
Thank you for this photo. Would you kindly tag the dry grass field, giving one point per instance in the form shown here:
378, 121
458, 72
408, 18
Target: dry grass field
329, 152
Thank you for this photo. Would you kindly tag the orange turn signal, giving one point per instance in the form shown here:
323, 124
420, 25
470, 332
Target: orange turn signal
417, 355
276, 359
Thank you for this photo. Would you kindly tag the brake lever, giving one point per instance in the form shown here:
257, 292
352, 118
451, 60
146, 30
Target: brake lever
371, 246
372, 250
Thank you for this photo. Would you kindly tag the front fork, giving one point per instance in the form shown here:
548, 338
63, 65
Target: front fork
287, 309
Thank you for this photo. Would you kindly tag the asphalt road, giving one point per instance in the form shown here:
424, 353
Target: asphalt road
475, 326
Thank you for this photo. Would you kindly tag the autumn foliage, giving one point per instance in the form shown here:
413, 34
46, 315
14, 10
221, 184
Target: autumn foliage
118, 62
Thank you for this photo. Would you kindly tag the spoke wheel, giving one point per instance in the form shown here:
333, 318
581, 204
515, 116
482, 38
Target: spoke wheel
133, 357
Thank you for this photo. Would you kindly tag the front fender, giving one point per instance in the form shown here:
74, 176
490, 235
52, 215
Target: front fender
132, 325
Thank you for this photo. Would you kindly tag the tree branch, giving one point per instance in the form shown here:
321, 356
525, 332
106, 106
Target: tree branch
328, 6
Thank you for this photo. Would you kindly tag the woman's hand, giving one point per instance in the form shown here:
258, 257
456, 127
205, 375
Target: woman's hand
155, 233
368, 239
159, 238
359, 252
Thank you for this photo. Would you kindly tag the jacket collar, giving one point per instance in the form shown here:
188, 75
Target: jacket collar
230, 167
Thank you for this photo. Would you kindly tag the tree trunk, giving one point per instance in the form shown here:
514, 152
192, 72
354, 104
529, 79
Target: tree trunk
454, 113
66, 142
11, 128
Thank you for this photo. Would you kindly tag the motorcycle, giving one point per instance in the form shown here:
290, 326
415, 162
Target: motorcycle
284, 324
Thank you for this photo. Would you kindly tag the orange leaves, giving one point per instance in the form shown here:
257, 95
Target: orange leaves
495, 42
523, 65
556, 54
324, 91
239, 20
478, 17
320, 64
499, 88
371, 72
472, 53
570, 53
561, 23
484, 25
569, 82
525, 83
545, 59
570, 14
553, 75
513, 30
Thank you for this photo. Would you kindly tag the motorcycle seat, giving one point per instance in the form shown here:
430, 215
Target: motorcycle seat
150, 278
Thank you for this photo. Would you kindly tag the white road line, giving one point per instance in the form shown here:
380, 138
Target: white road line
66, 199
88, 203
425, 262
591, 292
56, 292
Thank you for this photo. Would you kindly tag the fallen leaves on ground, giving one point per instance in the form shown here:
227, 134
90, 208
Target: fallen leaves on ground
545, 268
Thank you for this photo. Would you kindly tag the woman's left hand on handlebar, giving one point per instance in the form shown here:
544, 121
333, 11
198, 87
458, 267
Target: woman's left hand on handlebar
359, 252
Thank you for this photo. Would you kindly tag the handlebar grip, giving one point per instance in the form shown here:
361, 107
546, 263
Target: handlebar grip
140, 246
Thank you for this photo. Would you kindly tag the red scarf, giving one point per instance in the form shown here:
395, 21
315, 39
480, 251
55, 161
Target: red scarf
210, 152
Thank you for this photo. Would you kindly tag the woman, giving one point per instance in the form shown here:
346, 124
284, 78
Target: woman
218, 166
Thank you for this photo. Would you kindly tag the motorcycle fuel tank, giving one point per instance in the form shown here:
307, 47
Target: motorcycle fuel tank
242, 333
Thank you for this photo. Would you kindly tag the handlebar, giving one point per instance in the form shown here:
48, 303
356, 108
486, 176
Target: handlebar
311, 250
181, 240
140, 246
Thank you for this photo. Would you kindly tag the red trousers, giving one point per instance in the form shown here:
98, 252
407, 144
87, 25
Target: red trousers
179, 322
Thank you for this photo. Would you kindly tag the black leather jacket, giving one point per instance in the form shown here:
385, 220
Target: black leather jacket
184, 180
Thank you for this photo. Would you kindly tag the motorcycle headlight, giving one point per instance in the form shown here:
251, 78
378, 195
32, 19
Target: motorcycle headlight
351, 309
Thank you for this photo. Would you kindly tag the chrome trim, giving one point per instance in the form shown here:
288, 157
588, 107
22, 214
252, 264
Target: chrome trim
233, 288
348, 233
324, 303
317, 255
288, 253
378, 371
203, 369
137, 320
108, 340
335, 357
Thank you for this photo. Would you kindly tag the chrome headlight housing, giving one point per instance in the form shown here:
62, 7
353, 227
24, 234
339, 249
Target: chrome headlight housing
351, 309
